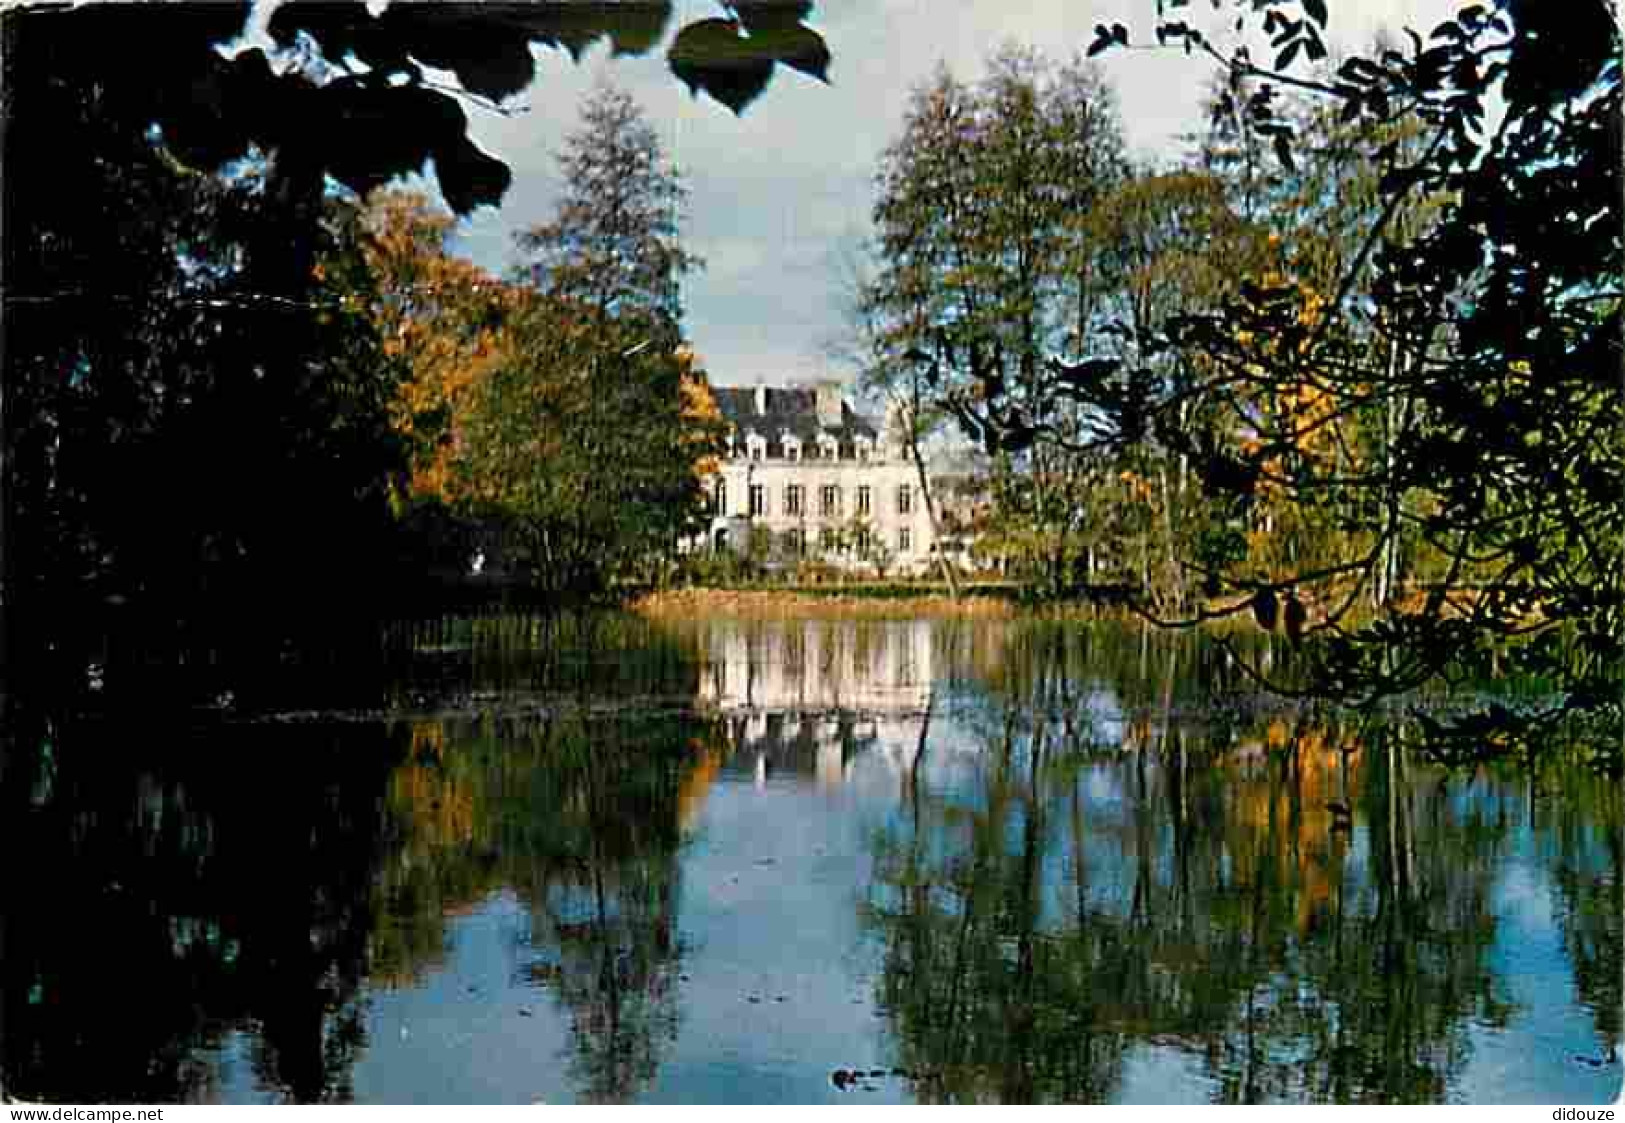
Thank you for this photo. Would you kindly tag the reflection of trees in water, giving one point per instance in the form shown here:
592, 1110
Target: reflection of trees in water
1366, 989
602, 888
194, 881
179, 890
1186, 887
580, 815
608, 950
988, 1004
1145, 669
1582, 843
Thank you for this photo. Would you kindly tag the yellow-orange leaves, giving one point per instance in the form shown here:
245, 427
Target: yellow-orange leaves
446, 318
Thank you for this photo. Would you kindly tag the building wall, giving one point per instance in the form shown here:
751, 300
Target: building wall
884, 477
779, 441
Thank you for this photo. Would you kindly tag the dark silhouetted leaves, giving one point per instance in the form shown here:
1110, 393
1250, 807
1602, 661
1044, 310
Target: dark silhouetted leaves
800, 48
713, 56
1265, 608
357, 124
1106, 37
486, 45
733, 62
1295, 616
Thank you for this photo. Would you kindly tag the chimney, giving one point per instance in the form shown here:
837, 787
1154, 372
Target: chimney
829, 405
761, 398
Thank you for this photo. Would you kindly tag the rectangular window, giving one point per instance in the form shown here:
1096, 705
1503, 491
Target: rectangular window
905, 499
792, 452
798, 541
826, 540
863, 499
792, 499
863, 542
755, 452
905, 540
758, 500
722, 497
831, 500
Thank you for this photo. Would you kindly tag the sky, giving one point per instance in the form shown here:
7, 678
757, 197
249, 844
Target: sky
779, 194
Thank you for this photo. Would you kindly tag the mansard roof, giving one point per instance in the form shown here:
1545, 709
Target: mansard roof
789, 409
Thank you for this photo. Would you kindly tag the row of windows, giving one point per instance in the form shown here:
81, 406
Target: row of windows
862, 543
829, 499
759, 449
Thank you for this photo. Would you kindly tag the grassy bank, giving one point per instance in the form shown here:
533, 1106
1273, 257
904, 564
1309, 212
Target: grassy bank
856, 602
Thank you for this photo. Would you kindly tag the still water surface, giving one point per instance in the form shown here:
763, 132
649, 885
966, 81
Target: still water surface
803, 861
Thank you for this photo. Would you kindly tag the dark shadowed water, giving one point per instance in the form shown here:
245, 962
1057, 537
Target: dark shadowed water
798, 861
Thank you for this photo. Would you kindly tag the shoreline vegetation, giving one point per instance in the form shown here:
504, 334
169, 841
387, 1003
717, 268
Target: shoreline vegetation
861, 602
899, 600
868, 601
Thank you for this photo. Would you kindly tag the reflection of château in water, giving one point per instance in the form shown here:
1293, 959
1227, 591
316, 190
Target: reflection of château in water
810, 698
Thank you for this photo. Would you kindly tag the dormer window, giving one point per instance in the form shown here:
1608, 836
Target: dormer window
865, 448
828, 447
756, 446
792, 446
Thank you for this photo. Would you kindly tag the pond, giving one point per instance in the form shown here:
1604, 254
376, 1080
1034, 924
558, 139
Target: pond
606, 859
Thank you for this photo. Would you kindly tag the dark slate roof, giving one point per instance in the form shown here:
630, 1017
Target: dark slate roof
794, 409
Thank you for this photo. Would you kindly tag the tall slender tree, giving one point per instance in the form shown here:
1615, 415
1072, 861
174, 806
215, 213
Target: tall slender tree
614, 242
981, 263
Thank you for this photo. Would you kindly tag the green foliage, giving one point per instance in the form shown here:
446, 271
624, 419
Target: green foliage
356, 102
1492, 336
979, 221
983, 265
1413, 399
733, 59
565, 416
613, 243
580, 449
192, 409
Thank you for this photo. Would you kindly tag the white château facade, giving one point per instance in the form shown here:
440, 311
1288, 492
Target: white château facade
808, 477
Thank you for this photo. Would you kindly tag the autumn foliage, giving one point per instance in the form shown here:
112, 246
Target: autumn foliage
557, 410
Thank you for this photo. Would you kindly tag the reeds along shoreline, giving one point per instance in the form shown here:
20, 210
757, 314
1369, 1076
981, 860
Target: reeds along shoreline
795, 603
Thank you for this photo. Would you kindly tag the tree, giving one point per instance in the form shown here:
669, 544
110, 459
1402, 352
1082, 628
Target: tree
614, 243
913, 418
589, 453
1498, 329
601, 375
176, 205
447, 322
1164, 244
983, 262
517, 401
173, 435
